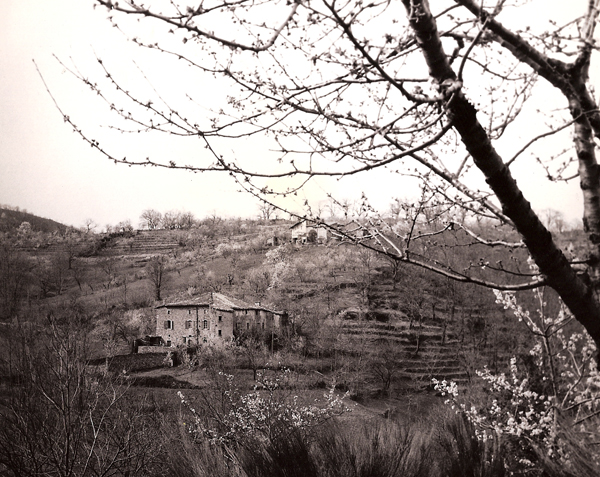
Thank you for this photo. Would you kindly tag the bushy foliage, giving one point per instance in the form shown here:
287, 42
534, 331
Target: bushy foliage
444, 445
263, 414
62, 416
534, 408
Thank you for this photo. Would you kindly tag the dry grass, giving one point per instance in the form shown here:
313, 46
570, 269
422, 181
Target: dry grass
377, 448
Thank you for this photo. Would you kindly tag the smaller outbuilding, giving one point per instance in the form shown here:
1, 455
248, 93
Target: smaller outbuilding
309, 231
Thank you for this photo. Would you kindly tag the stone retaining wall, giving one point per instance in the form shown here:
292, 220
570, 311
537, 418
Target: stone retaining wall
154, 349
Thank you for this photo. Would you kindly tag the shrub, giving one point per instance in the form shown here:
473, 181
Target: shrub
536, 410
445, 446
65, 417
266, 413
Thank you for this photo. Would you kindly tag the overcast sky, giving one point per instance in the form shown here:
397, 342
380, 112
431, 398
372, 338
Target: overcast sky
46, 169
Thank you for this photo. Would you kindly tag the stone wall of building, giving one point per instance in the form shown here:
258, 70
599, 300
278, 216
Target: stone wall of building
211, 319
177, 325
193, 325
215, 326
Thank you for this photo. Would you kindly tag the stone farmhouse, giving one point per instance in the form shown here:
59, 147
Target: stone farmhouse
307, 231
213, 318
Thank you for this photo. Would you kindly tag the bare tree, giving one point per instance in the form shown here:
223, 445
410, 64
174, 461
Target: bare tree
72, 244
89, 225
170, 220
15, 277
253, 350
156, 270
385, 363
109, 268
554, 220
151, 219
124, 227
345, 88
186, 220
62, 416
213, 218
266, 210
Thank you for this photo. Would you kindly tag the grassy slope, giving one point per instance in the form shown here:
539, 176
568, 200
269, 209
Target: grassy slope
424, 324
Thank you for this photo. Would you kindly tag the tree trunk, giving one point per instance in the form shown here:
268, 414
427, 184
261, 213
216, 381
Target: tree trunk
577, 295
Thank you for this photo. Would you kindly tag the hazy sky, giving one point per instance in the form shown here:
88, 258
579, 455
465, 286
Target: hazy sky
46, 169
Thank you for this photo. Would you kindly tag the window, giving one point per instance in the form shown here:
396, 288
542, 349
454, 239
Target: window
220, 318
219, 332
247, 326
204, 339
184, 340
168, 312
245, 312
189, 312
205, 324
169, 325
263, 326
256, 312
188, 324
168, 342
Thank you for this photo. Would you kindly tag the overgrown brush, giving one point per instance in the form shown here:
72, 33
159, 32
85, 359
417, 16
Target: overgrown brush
445, 445
60, 416
465, 455
546, 408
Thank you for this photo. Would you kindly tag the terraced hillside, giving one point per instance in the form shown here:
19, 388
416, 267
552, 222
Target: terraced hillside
423, 352
413, 326
146, 242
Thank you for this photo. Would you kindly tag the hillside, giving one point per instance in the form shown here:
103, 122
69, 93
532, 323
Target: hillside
10, 220
361, 326
375, 328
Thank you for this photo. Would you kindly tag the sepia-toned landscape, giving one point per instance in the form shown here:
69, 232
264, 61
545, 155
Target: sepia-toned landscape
290, 238
354, 381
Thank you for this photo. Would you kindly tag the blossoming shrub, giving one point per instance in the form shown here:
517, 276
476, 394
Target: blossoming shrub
513, 410
442, 444
532, 408
231, 416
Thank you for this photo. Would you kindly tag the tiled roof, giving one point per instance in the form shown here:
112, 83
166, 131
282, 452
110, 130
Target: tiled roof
311, 223
217, 301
